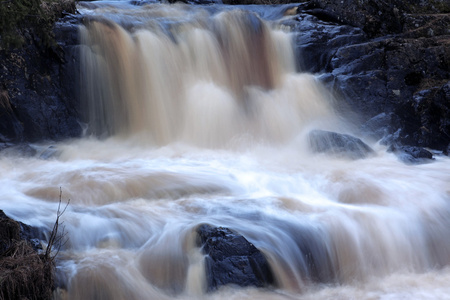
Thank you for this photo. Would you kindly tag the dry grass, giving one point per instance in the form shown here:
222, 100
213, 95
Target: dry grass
24, 274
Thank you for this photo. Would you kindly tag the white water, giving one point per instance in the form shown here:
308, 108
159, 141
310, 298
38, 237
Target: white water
201, 126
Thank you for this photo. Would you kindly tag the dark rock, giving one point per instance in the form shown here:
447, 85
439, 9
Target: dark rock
316, 42
380, 126
376, 18
411, 154
401, 76
49, 152
19, 150
11, 230
232, 259
382, 57
338, 144
39, 93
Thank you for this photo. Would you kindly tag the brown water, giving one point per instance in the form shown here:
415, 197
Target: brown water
204, 119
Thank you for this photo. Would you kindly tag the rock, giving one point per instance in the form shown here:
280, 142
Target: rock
338, 144
39, 93
49, 152
19, 150
380, 126
376, 18
403, 76
11, 230
382, 57
411, 154
316, 41
232, 259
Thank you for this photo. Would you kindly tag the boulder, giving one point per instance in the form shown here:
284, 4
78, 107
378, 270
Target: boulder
231, 259
338, 144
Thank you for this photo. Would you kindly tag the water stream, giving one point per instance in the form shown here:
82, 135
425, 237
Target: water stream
197, 115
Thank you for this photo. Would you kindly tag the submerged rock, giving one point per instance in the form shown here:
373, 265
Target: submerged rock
232, 259
20, 150
339, 144
380, 126
411, 154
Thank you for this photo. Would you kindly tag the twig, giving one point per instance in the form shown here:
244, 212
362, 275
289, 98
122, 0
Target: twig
56, 239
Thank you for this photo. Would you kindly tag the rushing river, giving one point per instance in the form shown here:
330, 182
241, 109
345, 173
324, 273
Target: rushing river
197, 116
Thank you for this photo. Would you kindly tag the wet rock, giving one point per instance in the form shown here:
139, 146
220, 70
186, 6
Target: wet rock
403, 76
338, 144
49, 152
38, 96
380, 126
11, 230
411, 154
19, 150
316, 41
232, 259
382, 57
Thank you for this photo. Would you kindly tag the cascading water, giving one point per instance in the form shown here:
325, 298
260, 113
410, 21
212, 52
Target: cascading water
203, 119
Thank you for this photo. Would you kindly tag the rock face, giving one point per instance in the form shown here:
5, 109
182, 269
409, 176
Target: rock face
38, 91
386, 60
338, 144
232, 259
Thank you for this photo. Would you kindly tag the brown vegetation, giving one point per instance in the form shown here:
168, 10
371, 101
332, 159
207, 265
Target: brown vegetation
25, 273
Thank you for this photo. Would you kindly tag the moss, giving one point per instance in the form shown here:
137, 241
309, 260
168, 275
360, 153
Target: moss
22, 19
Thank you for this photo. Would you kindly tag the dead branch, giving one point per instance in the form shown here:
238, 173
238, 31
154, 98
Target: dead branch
57, 239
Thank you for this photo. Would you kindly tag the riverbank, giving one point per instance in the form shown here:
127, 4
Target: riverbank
25, 273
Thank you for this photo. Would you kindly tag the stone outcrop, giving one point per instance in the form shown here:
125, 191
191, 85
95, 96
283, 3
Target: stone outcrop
38, 91
338, 144
386, 61
231, 259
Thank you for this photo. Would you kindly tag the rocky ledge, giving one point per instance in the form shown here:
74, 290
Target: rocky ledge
388, 62
39, 88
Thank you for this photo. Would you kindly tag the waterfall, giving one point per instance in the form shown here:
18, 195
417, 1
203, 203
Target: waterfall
207, 82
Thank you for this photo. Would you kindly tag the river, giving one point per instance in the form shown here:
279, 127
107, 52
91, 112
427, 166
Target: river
197, 114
